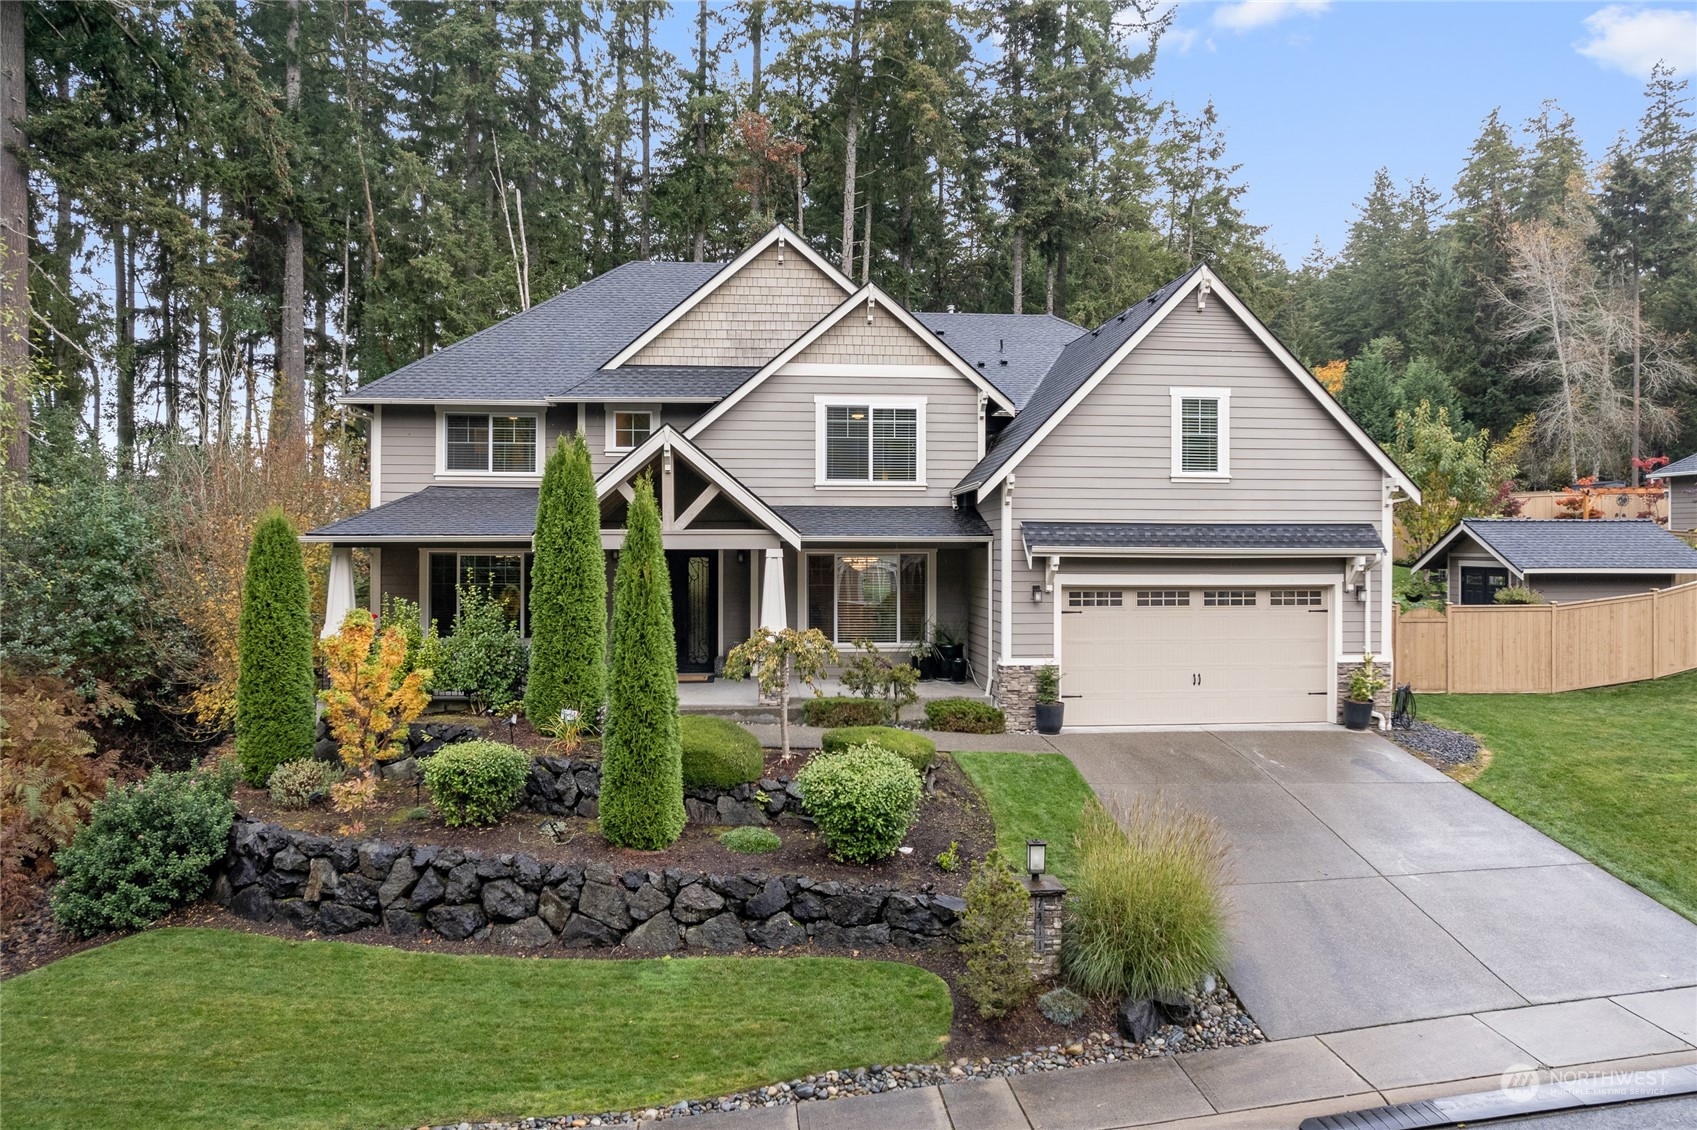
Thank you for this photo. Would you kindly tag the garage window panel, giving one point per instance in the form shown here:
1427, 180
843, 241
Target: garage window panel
1095, 598
1296, 598
1228, 598
1163, 598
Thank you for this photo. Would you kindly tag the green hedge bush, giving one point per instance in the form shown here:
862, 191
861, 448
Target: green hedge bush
568, 593
275, 690
147, 847
863, 799
964, 716
844, 711
918, 749
750, 840
718, 753
475, 782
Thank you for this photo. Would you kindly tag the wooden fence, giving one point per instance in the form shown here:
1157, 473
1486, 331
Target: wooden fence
1539, 648
1604, 504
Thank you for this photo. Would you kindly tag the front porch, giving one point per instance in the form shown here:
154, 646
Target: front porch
741, 700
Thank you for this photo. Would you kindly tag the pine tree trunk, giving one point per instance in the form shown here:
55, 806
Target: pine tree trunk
647, 97
701, 128
851, 141
289, 409
1637, 370
1018, 268
14, 231
123, 301
866, 248
756, 33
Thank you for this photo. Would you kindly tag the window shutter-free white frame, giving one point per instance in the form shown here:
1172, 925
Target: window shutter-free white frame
1222, 435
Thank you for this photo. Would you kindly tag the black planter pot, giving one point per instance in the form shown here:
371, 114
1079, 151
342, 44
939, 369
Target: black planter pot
922, 667
1357, 715
1049, 717
951, 662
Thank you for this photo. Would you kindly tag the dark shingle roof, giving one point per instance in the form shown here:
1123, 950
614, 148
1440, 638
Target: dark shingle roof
1677, 469
1013, 351
1572, 545
1271, 536
552, 347
1075, 365
897, 523
442, 512
662, 382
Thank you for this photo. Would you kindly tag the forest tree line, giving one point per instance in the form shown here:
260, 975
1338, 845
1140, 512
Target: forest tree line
236, 210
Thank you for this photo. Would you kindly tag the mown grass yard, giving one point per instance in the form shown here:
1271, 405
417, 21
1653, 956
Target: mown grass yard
211, 1028
1610, 772
1032, 796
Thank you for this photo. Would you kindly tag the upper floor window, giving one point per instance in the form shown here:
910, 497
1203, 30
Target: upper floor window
1201, 433
487, 443
630, 425
871, 442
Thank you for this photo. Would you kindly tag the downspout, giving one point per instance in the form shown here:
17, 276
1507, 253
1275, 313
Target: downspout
1007, 570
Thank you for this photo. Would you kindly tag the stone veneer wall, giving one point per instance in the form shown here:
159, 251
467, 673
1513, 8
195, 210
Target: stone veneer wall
1381, 701
336, 886
1016, 694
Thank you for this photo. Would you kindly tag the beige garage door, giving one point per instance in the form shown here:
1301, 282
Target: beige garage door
1195, 656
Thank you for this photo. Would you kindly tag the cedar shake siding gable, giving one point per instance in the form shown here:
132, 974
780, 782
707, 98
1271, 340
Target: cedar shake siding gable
853, 341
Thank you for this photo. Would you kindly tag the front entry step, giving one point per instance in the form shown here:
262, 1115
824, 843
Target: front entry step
695, 676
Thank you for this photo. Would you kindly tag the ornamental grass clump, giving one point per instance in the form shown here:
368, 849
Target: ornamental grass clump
750, 840
1146, 914
274, 689
475, 783
864, 800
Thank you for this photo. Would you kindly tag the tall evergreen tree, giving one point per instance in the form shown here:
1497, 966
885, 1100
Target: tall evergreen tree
568, 593
642, 791
1370, 389
275, 688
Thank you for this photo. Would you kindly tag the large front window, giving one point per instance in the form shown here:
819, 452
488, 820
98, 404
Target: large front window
480, 442
505, 576
871, 443
879, 597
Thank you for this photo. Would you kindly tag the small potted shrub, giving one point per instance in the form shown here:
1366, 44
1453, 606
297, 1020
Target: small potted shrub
1365, 683
1049, 704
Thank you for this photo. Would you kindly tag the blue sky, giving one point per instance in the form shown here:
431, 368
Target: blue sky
1316, 96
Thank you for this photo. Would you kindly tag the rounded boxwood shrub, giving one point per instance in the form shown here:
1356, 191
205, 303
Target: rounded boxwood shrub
844, 711
147, 847
718, 753
475, 782
918, 749
863, 799
964, 716
750, 840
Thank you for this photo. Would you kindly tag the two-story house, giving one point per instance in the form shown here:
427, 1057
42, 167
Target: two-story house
1169, 506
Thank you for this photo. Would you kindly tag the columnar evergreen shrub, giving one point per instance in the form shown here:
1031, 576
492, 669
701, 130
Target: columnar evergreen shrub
148, 847
274, 689
475, 782
718, 753
998, 972
918, 749
642, 788
568, 593
864, 800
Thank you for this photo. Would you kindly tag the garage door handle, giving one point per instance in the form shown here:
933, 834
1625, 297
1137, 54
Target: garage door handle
1311, 694
1072, 612
1072, 696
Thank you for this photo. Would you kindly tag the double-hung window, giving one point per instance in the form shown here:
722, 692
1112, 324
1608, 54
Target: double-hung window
1201, 424
881, 597
485, 443
871, 442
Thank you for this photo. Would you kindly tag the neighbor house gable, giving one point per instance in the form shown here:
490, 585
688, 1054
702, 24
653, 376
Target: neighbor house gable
746, 314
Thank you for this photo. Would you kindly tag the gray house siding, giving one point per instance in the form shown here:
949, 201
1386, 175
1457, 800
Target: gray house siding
680, 416
1578, 586
407, 448
1682, 504
397, 573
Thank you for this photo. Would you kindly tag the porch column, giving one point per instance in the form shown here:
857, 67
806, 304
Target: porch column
339, 595
773, 613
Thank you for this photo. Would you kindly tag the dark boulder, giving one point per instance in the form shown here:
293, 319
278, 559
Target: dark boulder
1138, 1018
506, 901
855, 908
462, 883
525, 934
722, 932
695, 903
456, 922
253, 903
606, 904
339, 918
299, 913
429, 890
647, 901
356, 890
403, 923
660, 934
581, 931
778, 931
375, 859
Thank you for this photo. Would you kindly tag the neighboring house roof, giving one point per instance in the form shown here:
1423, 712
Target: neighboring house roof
661, 382
1014, 351
1080, 360
544, 352
441, 514
886, 523
1678, 469
1571, 545
1132, 538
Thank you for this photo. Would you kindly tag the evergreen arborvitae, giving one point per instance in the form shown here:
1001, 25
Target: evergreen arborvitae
568, 593
642, 785
275, 690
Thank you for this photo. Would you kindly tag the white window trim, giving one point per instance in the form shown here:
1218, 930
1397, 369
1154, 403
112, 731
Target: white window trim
538, 411
1223, 472
610, 413
820, 403
426, 611
830, 629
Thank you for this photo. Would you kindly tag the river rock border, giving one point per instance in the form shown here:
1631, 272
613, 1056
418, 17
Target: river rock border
337, 886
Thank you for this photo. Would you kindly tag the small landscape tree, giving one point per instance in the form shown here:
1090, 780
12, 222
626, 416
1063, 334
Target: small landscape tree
1459, 476
371, 702
274, 687
642, 785
774, 658
568, 594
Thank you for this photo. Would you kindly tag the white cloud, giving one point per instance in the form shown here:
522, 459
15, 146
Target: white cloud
1248, 14
1635, 39
1180, 39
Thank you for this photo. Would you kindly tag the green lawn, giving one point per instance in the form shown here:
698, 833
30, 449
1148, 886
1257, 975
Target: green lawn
1611, 773
214, 1028
1033, 796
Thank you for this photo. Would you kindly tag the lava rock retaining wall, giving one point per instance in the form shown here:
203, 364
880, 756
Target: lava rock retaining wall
336, 886
563, 786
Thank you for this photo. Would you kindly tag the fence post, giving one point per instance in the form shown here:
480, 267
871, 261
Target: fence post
1554, 651
1655, 633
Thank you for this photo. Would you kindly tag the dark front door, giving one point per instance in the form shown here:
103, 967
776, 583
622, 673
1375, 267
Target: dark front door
1480, 586
695, 606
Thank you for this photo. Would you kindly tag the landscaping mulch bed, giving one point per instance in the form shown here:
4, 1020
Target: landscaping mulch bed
1446, 749
952, 813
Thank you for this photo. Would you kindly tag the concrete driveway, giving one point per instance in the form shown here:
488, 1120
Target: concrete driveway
1369, 889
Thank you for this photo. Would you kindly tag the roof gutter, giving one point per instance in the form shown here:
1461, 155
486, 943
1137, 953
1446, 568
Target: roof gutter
1040, 550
